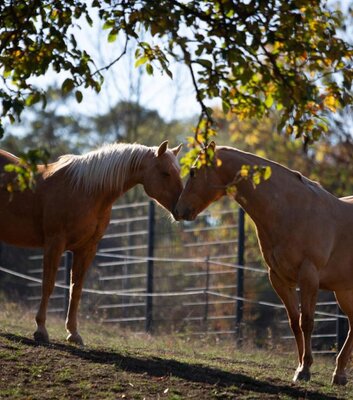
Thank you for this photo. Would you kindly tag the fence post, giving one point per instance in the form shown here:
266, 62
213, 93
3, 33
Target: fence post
341, 329
207, 286
149, 289
67, 265
240, 275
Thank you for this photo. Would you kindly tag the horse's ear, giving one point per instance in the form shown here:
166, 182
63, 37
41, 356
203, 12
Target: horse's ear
212, 146
176, 150
162, 148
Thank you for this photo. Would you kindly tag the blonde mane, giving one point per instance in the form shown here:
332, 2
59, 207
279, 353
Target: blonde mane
103, 169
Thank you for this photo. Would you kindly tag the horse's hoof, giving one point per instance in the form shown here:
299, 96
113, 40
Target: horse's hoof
301, 375
339, 379
41, 337
75, 338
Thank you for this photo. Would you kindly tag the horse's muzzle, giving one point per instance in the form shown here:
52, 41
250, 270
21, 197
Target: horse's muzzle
187, 214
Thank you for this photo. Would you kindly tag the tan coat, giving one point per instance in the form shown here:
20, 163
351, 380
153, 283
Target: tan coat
71, 205
305, 235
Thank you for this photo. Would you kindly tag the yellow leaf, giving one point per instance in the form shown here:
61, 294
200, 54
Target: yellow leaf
199, 138
331, 102
231, 190
256, 178
267, 173
244, 171
252, 139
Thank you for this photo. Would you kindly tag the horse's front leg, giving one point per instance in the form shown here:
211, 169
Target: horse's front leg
82, 260
345, 301
290, 299
53, 250
308, 281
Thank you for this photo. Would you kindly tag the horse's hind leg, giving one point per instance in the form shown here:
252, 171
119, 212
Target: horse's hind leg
81, 262
345, 301
52, 254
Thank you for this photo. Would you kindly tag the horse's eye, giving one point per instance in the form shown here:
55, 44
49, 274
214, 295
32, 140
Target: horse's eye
166, 174
192, 172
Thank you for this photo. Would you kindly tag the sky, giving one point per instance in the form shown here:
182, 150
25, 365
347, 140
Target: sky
172, 98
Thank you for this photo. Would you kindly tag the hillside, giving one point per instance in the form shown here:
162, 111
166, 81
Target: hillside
121, 365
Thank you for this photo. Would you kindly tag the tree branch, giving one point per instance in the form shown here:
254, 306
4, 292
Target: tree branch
105, 68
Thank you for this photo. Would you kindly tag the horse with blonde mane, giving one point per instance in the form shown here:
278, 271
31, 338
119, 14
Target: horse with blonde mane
70, 208
305, 235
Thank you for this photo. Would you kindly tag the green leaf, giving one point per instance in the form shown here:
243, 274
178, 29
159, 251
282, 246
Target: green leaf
225, 106
11, 118
32, 99
89, 20
109, 24
78, 95
149, 69
269, 101
205, 63
67, 86
142, 60
6, 105
279, 106
113, 34
6, 73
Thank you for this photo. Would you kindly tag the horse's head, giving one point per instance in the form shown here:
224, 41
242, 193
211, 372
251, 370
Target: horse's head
203, 187
161, 179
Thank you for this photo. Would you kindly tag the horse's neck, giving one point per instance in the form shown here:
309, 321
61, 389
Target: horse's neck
105, 177
263, 201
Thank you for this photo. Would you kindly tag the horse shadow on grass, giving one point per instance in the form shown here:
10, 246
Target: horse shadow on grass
159, 367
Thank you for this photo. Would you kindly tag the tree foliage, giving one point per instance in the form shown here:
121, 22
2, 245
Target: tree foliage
131, 122
254, 55
55, 130
327, 161
36, 35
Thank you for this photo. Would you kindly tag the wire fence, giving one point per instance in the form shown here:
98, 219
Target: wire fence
196, 278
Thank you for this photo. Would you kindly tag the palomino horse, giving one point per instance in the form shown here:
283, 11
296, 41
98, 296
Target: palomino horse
305, 235
71, 205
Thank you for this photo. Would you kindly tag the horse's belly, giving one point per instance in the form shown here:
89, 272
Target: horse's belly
338, 273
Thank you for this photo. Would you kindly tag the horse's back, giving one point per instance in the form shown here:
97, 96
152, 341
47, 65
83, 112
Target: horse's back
7, 158
346, 207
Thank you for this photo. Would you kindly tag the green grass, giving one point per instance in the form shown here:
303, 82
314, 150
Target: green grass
122, 365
